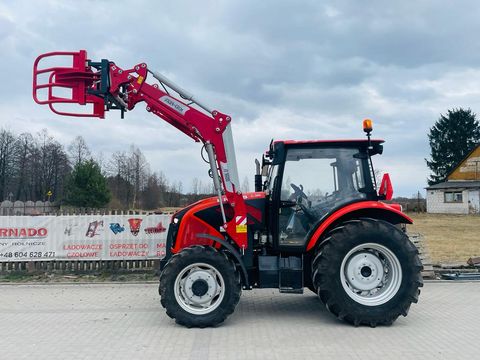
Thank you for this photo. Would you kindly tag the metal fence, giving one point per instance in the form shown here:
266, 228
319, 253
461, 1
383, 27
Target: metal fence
21, 208
10, 208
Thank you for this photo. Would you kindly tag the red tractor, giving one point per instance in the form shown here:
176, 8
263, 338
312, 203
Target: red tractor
315, 220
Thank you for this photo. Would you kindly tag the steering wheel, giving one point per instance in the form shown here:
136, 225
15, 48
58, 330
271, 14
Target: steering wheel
298, 194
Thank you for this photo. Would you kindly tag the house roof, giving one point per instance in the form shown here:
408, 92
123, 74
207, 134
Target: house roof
463, 160
455, 185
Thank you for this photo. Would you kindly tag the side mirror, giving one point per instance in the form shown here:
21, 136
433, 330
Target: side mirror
386, 189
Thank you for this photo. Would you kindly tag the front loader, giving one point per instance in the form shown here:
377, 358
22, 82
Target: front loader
316, 220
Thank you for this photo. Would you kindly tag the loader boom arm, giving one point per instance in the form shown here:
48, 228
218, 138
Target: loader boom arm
105, 86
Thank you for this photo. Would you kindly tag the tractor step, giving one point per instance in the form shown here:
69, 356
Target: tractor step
291, 291
290, 275
284, 273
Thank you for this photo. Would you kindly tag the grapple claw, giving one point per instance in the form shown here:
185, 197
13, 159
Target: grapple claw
79, 78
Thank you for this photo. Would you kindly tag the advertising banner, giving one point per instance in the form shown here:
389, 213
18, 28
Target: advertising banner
83, 237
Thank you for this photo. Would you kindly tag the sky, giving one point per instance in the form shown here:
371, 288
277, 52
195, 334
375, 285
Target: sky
281, 69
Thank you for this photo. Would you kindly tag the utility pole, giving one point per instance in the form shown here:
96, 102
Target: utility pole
418, 201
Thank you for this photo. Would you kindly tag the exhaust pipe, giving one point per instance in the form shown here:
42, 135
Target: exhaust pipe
258, 176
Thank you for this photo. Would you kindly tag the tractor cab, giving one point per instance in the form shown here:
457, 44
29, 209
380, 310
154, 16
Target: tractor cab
308, 180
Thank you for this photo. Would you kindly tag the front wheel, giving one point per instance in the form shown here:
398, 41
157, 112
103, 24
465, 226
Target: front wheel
367, 272
199, 287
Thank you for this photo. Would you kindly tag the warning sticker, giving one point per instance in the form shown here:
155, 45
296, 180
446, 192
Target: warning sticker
241, 229
241, 224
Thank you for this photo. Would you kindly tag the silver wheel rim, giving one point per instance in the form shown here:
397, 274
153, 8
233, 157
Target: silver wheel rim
371, 274
210, 280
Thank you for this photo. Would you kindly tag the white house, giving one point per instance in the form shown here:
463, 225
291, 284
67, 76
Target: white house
460, 194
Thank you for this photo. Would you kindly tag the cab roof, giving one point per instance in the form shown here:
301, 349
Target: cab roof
278, 147
339, 142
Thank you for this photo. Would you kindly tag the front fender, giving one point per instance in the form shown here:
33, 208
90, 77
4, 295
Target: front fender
371, 209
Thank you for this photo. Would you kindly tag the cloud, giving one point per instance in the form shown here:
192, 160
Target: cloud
282, 69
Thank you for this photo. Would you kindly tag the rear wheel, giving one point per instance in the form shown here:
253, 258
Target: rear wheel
367, 272
199, 287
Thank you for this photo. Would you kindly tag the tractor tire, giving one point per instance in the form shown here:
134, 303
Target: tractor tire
367, 272
199, 287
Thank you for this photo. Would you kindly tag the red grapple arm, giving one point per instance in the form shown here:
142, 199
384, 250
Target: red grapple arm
106, 86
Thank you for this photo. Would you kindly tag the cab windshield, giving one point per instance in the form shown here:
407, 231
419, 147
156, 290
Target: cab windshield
324, 174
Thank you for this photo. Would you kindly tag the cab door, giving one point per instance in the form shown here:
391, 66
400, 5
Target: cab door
313, 182
306, 179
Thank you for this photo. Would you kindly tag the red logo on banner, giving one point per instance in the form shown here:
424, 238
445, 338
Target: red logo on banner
134, 226
156, 229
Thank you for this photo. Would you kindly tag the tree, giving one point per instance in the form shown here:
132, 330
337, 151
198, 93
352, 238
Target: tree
451, 138
119, 178
245, 185
152, 193
128, 175
174, 194
195, 186
78, 151
138, 170
7, 153
23, 166
49, 167
86, 186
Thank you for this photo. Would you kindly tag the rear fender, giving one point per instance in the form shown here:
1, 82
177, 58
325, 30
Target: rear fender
371, 209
